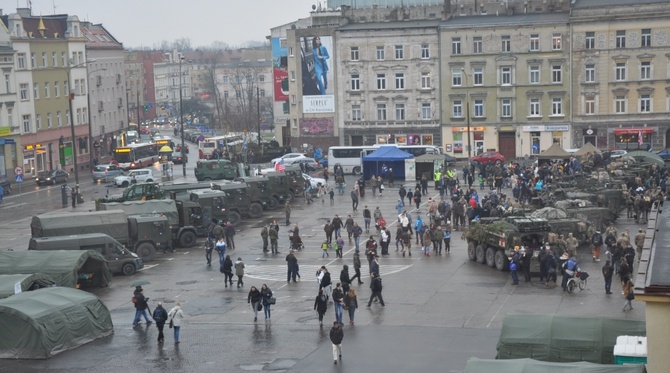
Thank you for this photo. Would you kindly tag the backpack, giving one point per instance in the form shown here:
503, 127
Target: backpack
597, 239
542, 257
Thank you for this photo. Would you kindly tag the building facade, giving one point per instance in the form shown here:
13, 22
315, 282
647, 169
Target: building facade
170, 76
9, 129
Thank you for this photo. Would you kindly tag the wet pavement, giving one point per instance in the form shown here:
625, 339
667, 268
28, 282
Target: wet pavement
439, 310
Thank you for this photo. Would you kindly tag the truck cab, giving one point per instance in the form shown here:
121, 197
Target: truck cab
221, 169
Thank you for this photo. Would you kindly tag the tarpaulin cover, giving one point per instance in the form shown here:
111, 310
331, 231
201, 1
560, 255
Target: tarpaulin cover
389, 155
554, 152
27, 281
62, 265
563, 338
532, 366
111, 223
166, 207
42, 323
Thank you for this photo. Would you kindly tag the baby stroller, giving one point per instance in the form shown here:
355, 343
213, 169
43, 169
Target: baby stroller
295, 245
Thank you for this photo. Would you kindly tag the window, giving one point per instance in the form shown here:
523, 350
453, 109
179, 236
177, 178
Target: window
477, 45
381, 81
590, 40
426, 111
556, 74
455, 45
620, 71
292, 75
534, 42
38, 122
380, 53
456, 77
479, 109
84, 112
399, 81
399, 111
556, 106
44, 59
645, 103
262, 93
478, 76
26, 123
261, 78
534, 75
506, 44
226, 79
290, 51
506, 108
425, 51
589, 105
620, 104
21, 60
63, 59
56, 89
78, 116
458, 109
355, 82
425, 80
645, 70
23, 91
54, 59
67, 117
621, 39
32, 61
49, 120
556, 42
506, 75
77, 86
381, 111
646, 37
535, 107
399, 52
47, 91
8, 83
356, 113
590, 73
353, 53
66, 87
10, 115
294, 99
36, 91
226, 94
59, 119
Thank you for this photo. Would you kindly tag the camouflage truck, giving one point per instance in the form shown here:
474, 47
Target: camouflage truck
492, 241
271, 191
150, 191
231, 203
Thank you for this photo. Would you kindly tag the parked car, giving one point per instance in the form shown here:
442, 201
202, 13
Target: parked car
314, 181
52, 177
177, 158
178, 148
665, 154
323, 162
618, 153
144, 175
105, 172
310, 163
488, 157
289, 158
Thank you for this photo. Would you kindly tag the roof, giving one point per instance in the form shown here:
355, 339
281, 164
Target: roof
62, 265
658, 270
581, 4
554, 152
513, 20
98, 37
429, 158
387, 153
586, 149
390, 25
27, 281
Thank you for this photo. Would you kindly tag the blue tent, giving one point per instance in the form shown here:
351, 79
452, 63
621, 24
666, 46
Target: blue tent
390, 156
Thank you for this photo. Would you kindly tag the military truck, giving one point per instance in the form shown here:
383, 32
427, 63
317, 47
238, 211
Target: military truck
271, 191
221, 169
295, 179
492, 241
231, 203
142, 234
181, 216
151, 191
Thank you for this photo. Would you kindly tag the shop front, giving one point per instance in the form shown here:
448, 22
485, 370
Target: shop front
457, 140
7, 157
406, 139
537, 138
634, 138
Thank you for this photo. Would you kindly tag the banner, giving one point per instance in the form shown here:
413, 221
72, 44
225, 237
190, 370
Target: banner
316, 73
410, 169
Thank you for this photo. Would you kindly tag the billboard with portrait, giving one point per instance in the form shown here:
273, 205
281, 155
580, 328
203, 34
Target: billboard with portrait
317, 127
280, 69
317, 93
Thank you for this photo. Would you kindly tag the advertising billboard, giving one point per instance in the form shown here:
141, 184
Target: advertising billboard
279, 69
316, 73
316, 127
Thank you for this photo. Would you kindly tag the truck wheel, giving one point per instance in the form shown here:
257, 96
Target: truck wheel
125, 184
501, 260
490, 256
255, 210
187, 239
128, 269
273, 203
234, 218
356, 171
481, 254
146, 251
289, 196
472, 251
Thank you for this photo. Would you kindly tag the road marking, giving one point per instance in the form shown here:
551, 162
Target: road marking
278, 273
149, 266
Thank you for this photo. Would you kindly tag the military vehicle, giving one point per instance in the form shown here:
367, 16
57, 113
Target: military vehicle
150, 191
561, 224
221, 169
231, 203
142, 234
271, 190
295, 179
492, 241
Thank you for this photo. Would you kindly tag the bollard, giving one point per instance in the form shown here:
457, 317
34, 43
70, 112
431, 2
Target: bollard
63, 194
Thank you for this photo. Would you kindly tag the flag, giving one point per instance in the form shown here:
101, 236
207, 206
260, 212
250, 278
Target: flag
279, 166
639, 138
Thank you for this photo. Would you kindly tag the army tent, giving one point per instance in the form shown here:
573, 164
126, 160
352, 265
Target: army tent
66, 267
42, 323
529, 365
564, 339
388, 155
586, 149
554, 152
27, 282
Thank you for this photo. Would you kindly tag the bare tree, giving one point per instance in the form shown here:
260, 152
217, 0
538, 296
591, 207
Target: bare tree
242, 105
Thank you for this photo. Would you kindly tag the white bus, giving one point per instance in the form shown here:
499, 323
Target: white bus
350, 157
136, 155
206, 148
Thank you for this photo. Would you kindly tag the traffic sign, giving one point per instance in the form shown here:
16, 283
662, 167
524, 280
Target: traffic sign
18, 170
19, 178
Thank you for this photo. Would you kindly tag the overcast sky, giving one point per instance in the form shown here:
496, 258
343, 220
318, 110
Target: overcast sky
146, 23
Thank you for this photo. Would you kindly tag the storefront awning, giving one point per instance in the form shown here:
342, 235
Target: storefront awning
633, 131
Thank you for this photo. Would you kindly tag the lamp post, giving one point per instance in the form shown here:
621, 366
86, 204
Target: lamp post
70, 97
90, 124
181, 117
467, 111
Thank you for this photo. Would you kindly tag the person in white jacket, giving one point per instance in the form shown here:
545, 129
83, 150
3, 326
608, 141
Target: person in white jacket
175, 318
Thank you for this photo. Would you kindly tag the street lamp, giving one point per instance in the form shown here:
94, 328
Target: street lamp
70, 97
90, 124
467, 110
181, 117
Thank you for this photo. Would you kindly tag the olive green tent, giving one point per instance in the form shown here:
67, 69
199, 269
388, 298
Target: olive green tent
27, 282
554, 152
42, 323
529, 365
563, 338
64, 266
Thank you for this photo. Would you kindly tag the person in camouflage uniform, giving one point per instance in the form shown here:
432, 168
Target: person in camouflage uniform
639, 242
571, 245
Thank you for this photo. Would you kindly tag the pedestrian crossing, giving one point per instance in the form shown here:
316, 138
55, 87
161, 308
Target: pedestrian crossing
276, 273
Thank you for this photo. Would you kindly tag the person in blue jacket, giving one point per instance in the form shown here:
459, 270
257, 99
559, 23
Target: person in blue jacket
320, 54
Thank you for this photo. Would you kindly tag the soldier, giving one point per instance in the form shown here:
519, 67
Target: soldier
611, 230
272, 233
264, 235
287, 208
571, 243
639, 242
624, 240
560, 245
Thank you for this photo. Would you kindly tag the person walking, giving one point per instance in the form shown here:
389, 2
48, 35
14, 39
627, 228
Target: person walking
354, 200
399, 206
339, 247
274, 236
266, 298
336, 337
328, 230
287, 209
357, 268
639, 243
367, 217
321, 305
349, 226
175, 318
265, 234
254, 298
228, 271
608, 272
376, 287
628, 293
344, 278
292, 267
239, 272
160, 316
356, 231
513, 268
338, 302
351, 304
337, 224
140, 306
325, 282
220, 248
402, 192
